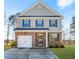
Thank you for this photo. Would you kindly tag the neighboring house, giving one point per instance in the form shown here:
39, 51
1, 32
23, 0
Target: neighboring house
72, 29
37, 26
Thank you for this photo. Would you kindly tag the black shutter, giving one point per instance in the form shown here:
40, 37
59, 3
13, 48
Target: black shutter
36, 23
49, 23
42, 23
29, 23
56, 23
23, 23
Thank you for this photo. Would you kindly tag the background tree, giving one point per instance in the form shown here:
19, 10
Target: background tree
72, 25
11, 23
72, 28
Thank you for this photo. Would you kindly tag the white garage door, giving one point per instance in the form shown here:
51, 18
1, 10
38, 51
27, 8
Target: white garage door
24, 41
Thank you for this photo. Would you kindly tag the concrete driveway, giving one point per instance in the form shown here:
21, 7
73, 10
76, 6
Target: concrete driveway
16, 53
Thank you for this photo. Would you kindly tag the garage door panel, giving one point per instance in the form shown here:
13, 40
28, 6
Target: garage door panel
25, 41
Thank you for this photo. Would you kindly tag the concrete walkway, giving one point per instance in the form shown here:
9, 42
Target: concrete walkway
16, 53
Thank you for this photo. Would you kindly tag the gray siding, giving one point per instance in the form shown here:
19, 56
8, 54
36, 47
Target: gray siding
46, 23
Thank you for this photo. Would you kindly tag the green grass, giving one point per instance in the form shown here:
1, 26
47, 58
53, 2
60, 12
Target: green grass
64, 53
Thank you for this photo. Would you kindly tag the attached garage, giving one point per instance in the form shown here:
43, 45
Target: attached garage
30, 39
24, 41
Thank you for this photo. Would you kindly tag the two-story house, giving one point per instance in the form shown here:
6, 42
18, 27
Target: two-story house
37, 26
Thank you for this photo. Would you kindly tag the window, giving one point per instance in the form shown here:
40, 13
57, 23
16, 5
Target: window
26, 23
39, 23
53, 37
53, 23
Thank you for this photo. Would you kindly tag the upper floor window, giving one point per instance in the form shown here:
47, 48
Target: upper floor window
53, 23
26, 23
39, 23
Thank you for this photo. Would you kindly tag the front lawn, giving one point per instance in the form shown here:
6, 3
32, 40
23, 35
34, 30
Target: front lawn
64, 53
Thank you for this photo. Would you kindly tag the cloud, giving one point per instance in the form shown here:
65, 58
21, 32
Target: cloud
64, 3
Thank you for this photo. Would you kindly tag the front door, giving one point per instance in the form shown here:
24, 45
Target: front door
40, 40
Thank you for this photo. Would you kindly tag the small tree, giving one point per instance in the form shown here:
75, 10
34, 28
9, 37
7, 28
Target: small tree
72, 25
72, 28
11, 23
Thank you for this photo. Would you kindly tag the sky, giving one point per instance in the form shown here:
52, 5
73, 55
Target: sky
64, 7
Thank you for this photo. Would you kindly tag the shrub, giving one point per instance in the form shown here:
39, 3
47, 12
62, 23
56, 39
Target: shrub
11, 44
51, 46
56, 45
62, 46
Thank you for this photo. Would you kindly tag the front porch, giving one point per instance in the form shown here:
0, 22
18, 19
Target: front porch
40, 39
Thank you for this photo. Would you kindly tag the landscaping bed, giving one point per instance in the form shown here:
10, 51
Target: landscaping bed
10, 44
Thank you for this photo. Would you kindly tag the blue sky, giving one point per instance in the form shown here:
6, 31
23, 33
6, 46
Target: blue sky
64, 7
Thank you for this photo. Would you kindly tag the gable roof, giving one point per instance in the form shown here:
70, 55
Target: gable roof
39, 9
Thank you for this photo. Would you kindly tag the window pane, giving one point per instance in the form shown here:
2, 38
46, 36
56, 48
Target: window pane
26, 23
53, 37
53, 23
39, 23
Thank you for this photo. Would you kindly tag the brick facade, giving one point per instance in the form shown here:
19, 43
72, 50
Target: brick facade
34, 37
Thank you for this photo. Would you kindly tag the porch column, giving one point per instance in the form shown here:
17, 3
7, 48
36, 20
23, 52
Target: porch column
46, 39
